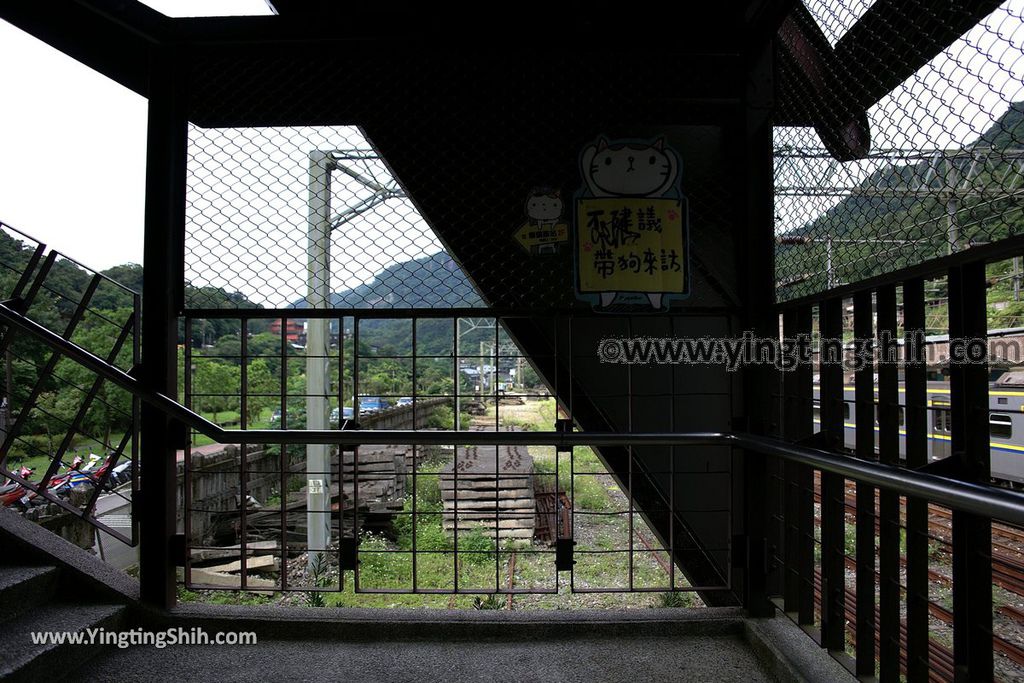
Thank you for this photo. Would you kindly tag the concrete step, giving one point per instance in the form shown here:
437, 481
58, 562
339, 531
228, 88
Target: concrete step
23, 660
25, 588
524, 495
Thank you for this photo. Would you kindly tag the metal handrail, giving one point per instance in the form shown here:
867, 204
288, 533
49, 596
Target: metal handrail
980, 499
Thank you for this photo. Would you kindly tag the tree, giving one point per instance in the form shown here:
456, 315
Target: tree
215, 385
262, 388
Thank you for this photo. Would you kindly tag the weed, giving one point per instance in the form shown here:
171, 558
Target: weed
675, 599
489, 602
318, 572
479, 548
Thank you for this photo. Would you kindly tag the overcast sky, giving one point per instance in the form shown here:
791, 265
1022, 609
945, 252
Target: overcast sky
72, 153
72, 142
73, 146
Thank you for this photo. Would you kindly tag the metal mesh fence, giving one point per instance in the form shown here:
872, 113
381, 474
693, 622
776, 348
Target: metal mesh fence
944, 170
255, 195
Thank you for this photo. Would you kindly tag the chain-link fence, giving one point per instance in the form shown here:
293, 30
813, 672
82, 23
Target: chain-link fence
257, 196
945, 170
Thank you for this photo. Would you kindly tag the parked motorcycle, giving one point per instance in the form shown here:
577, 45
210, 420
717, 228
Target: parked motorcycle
15, 493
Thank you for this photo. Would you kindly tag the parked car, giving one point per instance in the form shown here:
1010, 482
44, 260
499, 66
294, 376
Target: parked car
372, 404
404, 401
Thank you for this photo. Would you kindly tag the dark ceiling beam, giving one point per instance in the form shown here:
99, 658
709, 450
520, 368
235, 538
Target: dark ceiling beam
113, 37
762, 20
811, 88
895, 38
832, 89
286, 8
407, 25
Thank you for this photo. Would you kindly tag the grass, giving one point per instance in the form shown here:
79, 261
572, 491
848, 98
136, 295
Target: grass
226, 416
82, 446
588, 488
675, 600
38, 463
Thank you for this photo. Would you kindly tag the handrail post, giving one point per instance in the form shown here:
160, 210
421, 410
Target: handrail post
972, 534
163, 258
757, 266
864, 440
888, 500
916, 408
833, 486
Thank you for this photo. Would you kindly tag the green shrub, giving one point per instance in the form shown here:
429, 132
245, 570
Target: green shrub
429, 533
320, 580
428, 493
590, 494
441, 417
478, 546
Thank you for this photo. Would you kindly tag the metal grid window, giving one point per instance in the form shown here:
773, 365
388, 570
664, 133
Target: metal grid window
68, 438
449, 518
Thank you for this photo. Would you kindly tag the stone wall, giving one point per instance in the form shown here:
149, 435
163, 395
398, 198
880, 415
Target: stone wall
216, 484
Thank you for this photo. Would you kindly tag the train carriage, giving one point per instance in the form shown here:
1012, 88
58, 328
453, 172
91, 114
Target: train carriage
1006, 425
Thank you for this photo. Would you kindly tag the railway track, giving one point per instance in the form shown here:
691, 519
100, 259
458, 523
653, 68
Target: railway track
940, 658
1007, 573
1013, 651
1007, 561
944, 518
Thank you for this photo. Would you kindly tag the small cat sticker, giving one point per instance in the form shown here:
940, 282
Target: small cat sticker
631, 224
544, 207
544, 230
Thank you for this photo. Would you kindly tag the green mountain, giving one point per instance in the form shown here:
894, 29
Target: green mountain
434, 281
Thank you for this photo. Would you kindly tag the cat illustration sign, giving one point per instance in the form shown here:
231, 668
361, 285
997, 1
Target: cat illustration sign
544, 231
631, 227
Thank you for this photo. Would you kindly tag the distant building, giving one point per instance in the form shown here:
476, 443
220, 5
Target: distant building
294, 331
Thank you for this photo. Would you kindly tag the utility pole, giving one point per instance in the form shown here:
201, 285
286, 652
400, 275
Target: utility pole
830, 241
320, 225
318, 481
949, 177
952, 206
480, 373
472, 324
1016, 278
830, 280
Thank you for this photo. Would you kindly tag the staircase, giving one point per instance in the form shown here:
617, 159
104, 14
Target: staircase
40, 595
